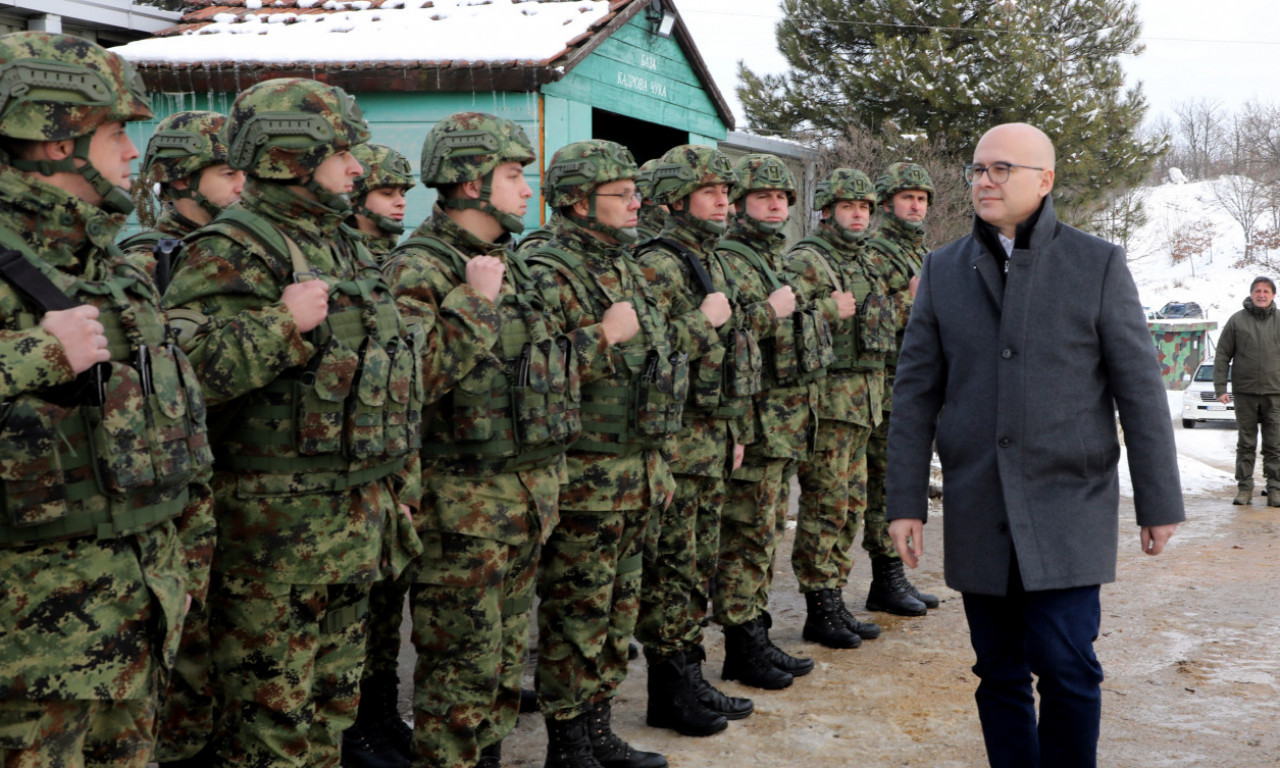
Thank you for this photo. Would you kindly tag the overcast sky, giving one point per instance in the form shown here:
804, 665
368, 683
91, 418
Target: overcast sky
1224, 51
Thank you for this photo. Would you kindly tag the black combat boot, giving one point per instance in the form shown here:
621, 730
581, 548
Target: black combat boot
490, 756
824, 624
779, 658
731, 707
867, 630
745, 658
569, 744
673, 701
609, 748
379, 709
528, 701
890, 591
364, 747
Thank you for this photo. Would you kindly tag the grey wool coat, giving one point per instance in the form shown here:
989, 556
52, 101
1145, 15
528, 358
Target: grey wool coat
1021, 379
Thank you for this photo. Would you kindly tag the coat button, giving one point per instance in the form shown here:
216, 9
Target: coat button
1006, 353
1002, 527
1005, 442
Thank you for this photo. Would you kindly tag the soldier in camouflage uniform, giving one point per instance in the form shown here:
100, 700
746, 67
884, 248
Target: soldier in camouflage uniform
298, 342
186, 161
493, 446
618, 478
685, 275
653, 217
378, 198
755, 510
904, 192
107, 528
831, 273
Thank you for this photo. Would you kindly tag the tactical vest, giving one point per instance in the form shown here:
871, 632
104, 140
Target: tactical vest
860, 345
733, 370
353, 413
165, 250
112, 453
516, 410
637, 409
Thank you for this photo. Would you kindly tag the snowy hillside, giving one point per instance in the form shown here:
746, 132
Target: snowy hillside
1210, 280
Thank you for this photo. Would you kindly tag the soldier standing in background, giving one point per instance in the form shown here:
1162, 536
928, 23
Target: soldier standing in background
378, 197
653, 216
830, 272
904, 192
296, 336
681, 267
108, 528
493, 447
754, 515
186, 161
618, 478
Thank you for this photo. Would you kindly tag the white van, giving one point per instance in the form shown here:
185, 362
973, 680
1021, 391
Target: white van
1198, 402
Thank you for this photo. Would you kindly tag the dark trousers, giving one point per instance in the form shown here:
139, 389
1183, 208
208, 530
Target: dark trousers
1254, 412
1048, 634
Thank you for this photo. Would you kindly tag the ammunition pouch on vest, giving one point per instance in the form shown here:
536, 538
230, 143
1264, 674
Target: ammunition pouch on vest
857, 345
632, 412
113, 453
348, 417
516, 411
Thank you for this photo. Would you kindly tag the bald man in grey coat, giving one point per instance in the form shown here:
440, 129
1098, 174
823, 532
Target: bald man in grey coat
1026, 337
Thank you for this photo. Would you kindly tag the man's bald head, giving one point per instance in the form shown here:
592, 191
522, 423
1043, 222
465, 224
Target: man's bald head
1031, 157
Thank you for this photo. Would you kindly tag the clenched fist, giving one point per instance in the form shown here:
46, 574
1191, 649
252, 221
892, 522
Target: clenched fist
783, 301
716, 307
620, 323
846, 305
81, 335
308, 303
484, 275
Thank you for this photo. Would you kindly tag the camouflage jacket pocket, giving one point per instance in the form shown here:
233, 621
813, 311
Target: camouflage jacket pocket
564, 396
197, 425
877, 324
662, 386
743, 377
170, 449
473, 403
120, 429
321, 398
536, 373
786, 363
814, 344
707, 378
403, 424
366, 413
31, 463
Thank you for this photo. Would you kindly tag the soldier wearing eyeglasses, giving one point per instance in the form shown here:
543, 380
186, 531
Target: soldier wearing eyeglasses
1032, 335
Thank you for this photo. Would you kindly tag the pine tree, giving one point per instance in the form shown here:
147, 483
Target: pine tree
951, 69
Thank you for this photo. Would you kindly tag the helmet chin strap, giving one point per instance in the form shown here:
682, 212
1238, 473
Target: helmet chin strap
384, 223
192, 192
763, 227
624, 235
910, 226
710, 226
846, 234
333, 200
508, 221
115, 199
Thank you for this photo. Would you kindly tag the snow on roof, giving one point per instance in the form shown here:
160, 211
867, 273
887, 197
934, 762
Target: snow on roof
328, 32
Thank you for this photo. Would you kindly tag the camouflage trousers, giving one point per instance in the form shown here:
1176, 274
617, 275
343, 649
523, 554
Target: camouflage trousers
875, 540
679, 568
752, 522
471, 600
589, 592
287, 660
386, 612
74, 734
832, 498
187, 707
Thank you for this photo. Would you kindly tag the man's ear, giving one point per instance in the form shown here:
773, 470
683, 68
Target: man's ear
581, 208
471, 189
54, 150
1046, 182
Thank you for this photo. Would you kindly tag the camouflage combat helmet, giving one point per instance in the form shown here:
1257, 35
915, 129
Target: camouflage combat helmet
58, 87
383, 167
283, 129
844, 184
183, 145
758, 172
644, 181
689, 167
903, 176
577, 170
468, 146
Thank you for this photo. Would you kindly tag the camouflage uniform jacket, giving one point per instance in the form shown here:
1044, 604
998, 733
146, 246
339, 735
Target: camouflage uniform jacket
225, 295
379, 246
701, 445
652, 220
781, 413
853, 396
169, 224
78, 617
601, 482
466, 334
901, 250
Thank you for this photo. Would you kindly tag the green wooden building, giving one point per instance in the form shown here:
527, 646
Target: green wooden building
624, 70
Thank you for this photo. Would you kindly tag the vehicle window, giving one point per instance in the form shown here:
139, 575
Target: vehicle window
1205, 372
